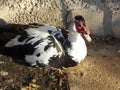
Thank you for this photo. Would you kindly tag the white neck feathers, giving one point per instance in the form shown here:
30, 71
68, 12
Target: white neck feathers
77, 49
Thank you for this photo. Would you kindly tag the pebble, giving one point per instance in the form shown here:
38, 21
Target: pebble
9, 81
24, 88
9, 88
2, 62
33, 81
118, 51
1, 55
3, 73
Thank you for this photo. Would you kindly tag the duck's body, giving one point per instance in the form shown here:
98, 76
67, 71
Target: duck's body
41, 45
37, 45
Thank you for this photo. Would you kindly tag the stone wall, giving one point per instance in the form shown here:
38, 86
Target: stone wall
102, 16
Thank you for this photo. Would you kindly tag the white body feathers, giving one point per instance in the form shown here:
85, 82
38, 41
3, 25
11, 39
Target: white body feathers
78, 49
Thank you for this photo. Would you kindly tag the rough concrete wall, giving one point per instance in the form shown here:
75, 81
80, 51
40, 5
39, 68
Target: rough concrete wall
28, 11
102, 16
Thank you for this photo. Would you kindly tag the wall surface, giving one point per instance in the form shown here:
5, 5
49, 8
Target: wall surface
102, 16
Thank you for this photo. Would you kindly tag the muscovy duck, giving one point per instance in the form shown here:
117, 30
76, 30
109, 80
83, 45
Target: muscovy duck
41, 45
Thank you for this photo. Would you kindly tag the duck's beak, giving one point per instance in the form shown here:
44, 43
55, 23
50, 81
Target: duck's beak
87, 37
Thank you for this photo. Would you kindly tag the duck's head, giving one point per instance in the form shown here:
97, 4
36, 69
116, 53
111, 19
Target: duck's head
79, 25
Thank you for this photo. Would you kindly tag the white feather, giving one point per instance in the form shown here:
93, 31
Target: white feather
78, 51
14, 42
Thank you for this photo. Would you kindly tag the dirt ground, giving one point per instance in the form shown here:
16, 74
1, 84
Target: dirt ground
99, 71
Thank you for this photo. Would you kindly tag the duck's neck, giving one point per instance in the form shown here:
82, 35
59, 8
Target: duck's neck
76, 47
72, 27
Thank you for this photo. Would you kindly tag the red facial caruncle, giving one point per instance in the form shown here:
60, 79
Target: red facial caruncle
81, 28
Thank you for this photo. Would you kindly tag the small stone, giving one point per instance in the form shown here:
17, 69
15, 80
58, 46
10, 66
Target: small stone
9, 81
33, 86
103, 56
33, 81
3, 73
1, 55
9, 58
25, 88
2, 62
118, 51
9, 88
81, 73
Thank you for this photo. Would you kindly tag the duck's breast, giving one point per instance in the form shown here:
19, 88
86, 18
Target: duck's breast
77, 49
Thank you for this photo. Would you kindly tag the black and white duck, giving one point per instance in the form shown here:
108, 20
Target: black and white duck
42, 45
